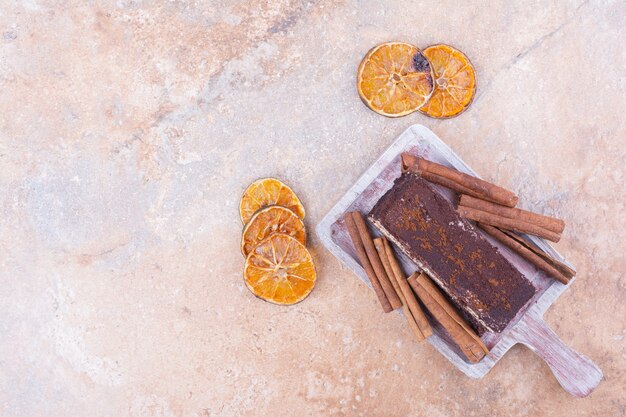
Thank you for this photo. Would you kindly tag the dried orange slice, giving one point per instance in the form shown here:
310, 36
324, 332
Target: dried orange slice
280, 270
455, 82
394, 79
267, 192
268, 220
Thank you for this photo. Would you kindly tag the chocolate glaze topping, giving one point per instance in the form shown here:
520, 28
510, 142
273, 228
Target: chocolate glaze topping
473, 273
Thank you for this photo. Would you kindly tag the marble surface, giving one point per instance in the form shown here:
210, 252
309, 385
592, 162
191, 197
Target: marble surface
128, 130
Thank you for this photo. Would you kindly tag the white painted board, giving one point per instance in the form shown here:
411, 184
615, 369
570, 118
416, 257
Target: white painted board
575, 372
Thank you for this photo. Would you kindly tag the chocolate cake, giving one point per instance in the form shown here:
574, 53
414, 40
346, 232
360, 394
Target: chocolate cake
473, 273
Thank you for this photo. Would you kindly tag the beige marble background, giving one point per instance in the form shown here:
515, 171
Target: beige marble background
128, 130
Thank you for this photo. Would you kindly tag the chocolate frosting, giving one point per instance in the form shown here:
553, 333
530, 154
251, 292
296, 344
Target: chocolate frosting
472, 272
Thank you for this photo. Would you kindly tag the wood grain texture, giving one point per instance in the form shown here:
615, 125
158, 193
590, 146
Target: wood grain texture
574, 372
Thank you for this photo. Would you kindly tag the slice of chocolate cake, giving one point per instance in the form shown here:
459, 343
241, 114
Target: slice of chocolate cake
474, 274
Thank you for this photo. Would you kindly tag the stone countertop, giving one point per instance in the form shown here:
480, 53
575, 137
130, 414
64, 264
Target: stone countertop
129, 129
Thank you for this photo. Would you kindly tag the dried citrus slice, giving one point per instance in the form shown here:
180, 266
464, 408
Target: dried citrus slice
394, 79
455, 82
280, 270
268, 220
267, 192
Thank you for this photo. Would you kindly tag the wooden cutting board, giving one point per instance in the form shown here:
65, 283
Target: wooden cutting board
575, 372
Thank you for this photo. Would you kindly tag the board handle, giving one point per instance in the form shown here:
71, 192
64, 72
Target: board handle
575, 372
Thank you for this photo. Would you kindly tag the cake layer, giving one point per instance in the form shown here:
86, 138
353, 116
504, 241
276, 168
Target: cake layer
474, 274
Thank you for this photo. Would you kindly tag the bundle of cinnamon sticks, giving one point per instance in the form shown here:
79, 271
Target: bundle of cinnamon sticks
385, 275
394, 291
493, 208
444, 312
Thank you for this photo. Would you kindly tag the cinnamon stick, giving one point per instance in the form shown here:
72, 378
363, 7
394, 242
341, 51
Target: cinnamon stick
560, 266
524, 252
382, 253
372, 255
458, 181
547, 222
460, 332
409, 296
436, 293
365, 263
384, 259
506, 223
